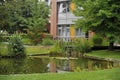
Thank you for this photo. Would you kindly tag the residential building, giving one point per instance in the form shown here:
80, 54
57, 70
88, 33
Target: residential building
62, 20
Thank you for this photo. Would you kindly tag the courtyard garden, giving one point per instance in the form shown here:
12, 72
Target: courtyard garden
30, 50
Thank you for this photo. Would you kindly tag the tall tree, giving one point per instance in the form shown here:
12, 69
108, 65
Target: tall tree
10, 11
36, 23
23, 14
101, 17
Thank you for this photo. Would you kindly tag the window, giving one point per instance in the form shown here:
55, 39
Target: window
78, 32
63, 7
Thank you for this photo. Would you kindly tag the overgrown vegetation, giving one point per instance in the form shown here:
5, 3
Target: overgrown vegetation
97, 40
101, 17
58, 48
77, 47
82, 46
47, 41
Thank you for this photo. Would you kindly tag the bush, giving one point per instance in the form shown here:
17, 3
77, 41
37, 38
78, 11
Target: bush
4, 36
97, 40
15, 46
47, 41
82, 46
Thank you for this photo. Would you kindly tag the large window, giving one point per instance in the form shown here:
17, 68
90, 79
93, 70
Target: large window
63, 7
64, 30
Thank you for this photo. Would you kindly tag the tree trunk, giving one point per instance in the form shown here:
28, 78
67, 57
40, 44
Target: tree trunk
111, 46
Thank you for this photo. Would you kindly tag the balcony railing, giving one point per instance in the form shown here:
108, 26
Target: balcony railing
68, 38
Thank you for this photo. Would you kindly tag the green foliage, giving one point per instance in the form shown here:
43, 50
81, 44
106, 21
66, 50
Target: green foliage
23, 14
97, 40
26, 41
15, 46
78, 46
59, 47
35, 37
36, 23
82, 46
99, 16
0, 48
48, 36
47, 41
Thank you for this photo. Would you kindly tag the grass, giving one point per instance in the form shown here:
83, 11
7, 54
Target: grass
3, 49
110, 74
105, 54
31, 50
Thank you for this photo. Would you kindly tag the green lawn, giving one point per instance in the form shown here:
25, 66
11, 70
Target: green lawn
31, 50
105, 54
110, 74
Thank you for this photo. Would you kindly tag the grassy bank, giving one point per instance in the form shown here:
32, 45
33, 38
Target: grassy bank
105, 54
31, 50
110, 74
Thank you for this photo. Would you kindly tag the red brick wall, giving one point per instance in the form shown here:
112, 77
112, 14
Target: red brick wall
53, 18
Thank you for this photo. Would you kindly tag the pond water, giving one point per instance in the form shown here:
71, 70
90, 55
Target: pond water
41, 65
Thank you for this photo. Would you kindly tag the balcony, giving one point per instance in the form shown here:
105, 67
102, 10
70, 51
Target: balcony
62, 0
68, 38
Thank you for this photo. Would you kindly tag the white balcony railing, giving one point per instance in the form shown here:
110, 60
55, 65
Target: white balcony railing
68, 38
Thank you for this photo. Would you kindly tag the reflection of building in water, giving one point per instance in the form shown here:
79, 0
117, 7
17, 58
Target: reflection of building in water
52, 67
66, 66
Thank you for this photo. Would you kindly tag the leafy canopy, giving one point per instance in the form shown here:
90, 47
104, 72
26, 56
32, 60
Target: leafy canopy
99, 16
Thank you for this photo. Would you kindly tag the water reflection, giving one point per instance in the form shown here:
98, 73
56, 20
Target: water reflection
42, 65
24, 65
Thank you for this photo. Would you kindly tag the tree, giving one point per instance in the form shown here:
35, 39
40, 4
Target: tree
101, 17
3, 15
10, 10
36, 23
24, 15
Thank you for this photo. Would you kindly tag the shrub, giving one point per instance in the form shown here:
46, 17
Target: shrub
47, 41
97, 40
0, 48
15, 46
4, 36
82, 46
35, 37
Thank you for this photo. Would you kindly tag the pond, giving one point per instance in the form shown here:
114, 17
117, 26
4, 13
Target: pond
42, 65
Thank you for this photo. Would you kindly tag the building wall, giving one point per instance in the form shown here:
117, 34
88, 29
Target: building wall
72, 7
53, 18
72, 31
62, 18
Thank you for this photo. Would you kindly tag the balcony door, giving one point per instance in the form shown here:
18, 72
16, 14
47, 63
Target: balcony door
64, 32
